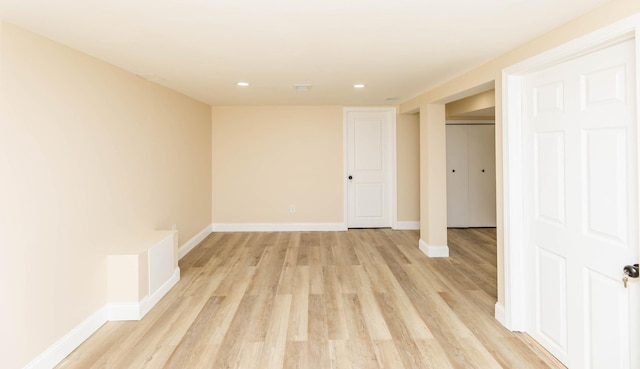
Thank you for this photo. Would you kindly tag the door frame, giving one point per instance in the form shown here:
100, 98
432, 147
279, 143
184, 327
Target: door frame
392, 195
513, 315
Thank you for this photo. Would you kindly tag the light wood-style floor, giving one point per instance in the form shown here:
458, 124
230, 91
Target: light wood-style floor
357, 299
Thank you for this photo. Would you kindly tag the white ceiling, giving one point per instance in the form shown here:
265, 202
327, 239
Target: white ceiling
398, 48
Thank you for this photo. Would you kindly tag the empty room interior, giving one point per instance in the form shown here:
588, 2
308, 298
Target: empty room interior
319, 184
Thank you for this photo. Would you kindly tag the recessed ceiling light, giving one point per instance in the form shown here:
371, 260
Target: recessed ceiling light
358, 85
243, 84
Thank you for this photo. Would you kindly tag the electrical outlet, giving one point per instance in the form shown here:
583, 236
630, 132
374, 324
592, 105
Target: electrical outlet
174, 227
292, 209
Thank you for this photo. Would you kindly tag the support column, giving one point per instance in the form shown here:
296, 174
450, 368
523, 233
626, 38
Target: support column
433, 181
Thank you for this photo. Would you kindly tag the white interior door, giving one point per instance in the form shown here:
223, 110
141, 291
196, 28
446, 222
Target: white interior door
581, 208
457, 176
369, 168
482, 176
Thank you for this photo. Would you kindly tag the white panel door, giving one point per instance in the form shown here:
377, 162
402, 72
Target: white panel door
457, 176
368, 169
482, 176
581, 208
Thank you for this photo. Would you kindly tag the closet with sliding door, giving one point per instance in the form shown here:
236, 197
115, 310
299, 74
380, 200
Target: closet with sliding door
471, 175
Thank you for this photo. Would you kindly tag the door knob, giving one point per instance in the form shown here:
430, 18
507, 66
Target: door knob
632, 271
350, 177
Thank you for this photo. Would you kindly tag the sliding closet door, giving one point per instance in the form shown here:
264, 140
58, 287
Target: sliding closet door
471, 176
482, 176
457, 177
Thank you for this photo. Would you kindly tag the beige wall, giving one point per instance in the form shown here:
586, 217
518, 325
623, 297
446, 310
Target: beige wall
485, 76
90, 156
408, 157
267, 158
467, 106
433, 179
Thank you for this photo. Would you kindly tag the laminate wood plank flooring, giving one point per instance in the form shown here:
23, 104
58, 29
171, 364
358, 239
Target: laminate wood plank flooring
365, 298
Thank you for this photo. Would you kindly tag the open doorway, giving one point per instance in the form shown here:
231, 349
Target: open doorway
471, 184
471, 162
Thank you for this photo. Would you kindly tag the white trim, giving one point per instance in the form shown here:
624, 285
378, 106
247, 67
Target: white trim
407, 225
515, 307
64, 346
498, 313
120, 311
515, 299
278, 227
434, 251
137, 310
393, 164
194, 241
345, 166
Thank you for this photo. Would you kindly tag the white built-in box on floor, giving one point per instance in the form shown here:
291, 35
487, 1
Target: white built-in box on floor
140, 273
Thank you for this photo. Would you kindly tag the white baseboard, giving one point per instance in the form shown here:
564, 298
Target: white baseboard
434, 251
278, 227
499, 314
119, 311
61, 349
407, 225
137, 310
194, 241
